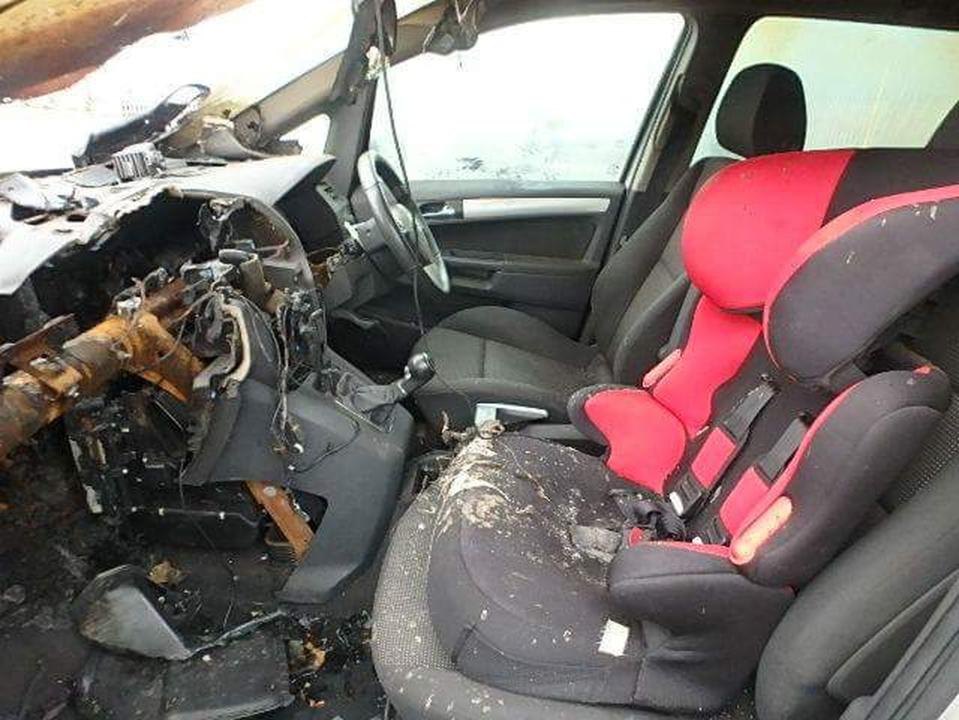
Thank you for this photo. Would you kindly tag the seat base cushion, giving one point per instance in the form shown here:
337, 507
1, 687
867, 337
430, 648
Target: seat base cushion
496, 354
418, 674
515, 601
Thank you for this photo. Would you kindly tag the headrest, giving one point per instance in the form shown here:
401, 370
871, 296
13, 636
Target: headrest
750, 217
762, 112
856, 276
947, 134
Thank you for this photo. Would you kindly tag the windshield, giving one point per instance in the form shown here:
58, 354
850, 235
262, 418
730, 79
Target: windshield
242, 55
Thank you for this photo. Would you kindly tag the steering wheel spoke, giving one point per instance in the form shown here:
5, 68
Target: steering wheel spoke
405, 231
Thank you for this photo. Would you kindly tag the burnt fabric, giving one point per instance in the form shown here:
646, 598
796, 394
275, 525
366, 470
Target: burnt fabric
767, 477
635, 298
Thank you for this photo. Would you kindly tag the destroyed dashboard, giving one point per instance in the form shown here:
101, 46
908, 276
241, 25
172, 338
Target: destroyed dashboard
171, 328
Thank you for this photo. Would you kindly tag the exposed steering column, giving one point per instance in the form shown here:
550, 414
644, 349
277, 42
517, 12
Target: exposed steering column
398, 221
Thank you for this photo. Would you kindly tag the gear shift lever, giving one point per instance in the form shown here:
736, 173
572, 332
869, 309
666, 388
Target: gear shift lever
419, 370
376, 401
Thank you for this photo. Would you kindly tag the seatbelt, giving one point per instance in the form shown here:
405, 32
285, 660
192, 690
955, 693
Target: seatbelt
774, 461
769, 467
689, 492
658, 520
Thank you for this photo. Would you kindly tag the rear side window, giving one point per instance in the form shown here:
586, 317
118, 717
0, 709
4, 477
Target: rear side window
866, 85
558, 99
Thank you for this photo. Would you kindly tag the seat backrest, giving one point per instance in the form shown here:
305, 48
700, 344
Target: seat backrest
947, 134
792, 213
831, 304
639, 291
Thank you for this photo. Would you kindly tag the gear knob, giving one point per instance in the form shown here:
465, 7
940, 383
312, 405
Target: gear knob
419, 370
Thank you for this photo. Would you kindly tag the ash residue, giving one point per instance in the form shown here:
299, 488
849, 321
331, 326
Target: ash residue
331, 666
50, 545
530, 494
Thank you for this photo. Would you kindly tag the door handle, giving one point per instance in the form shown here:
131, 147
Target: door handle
438, 211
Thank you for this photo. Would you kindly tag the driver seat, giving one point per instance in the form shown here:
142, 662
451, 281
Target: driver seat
501, 355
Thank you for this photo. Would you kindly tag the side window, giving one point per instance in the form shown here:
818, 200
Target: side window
559, 99
866, 85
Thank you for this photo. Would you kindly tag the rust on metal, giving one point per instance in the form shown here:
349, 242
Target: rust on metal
39, 342
139, 343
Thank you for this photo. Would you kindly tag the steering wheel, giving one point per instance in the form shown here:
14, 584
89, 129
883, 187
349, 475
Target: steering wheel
399, 220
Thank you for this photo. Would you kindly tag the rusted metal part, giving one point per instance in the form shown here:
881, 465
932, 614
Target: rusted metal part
42, 342
139, 343
47, 45
293, 526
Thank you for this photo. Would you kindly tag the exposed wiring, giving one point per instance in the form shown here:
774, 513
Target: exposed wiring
330, 450
221, 557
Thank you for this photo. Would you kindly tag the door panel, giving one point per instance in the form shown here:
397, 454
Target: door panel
533, 246
517, 157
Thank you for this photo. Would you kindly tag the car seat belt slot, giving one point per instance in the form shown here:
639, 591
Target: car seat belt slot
698, 484
767, 468
771, 465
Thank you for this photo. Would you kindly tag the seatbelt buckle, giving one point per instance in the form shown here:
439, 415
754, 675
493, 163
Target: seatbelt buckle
660, 369
713, 533
686, 496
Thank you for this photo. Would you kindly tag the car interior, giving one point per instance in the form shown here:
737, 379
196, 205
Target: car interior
603, 366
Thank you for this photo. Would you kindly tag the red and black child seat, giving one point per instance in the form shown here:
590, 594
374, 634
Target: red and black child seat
776, 421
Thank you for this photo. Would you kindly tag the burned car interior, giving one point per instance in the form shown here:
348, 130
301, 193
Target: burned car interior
295, 432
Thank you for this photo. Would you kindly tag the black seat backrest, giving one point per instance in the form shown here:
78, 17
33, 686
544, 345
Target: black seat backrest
947, 134
638, 293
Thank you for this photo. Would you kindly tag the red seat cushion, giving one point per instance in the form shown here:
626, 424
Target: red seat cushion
718, 345
646, 441
747, 221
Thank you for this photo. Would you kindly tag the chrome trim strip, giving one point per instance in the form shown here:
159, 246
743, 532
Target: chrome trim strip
508, 208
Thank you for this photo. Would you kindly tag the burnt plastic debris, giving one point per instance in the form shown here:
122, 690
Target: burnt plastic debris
123, 610
247, 677
331, 666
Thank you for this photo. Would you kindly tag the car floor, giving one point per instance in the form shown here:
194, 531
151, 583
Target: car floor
51, 547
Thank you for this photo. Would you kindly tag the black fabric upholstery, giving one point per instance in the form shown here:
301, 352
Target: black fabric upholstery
705, 623
635, 301
848, 627
762, 112
495, 354
862, 281
881, 172
522, 608
417, 673
636, 295
947, 134
862, 446
514, 601
931, 665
